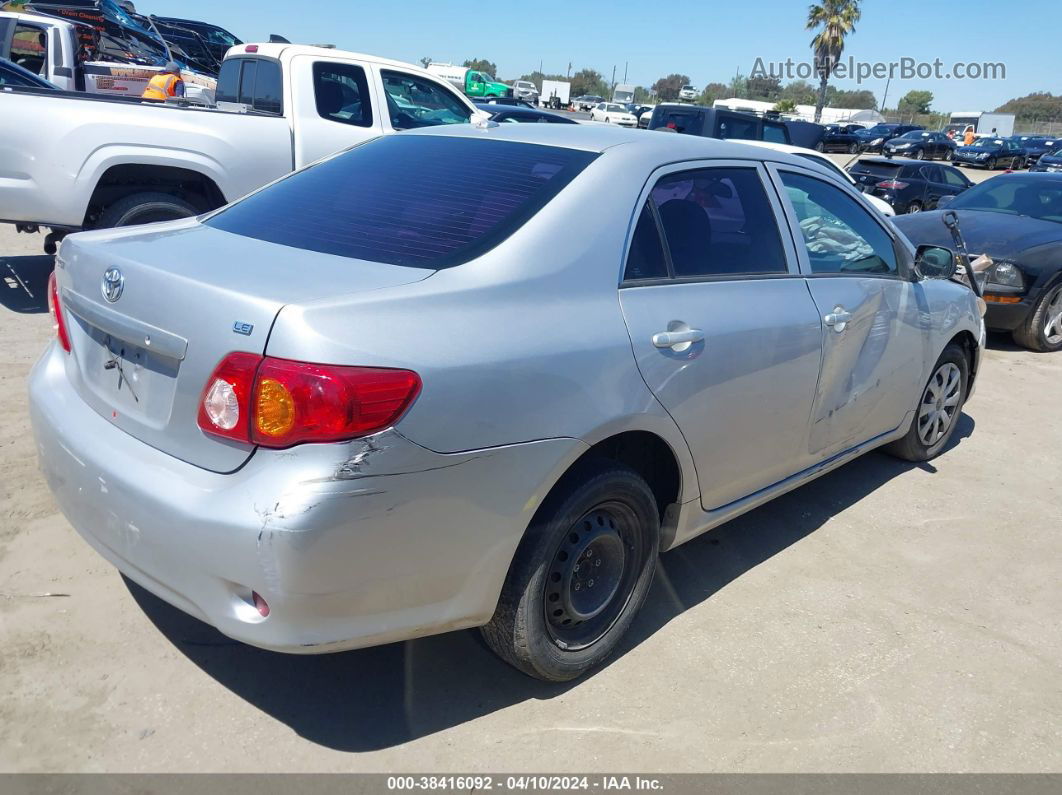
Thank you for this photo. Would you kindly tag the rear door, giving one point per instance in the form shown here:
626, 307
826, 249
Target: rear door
872, 355
722, 325
935, 187
334, 106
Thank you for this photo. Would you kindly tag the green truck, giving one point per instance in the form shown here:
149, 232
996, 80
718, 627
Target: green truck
471, 82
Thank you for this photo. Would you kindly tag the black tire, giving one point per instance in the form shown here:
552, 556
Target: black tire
947, 154
919, 154
1032, 334
820, 147
145, 208
853, 149
990, 164
538, 627
914, 445
914, 207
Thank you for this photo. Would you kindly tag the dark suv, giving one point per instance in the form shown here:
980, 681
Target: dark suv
873, 138
920, 145
720, 123
909, 186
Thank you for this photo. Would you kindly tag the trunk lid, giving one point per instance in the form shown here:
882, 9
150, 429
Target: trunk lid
189, 295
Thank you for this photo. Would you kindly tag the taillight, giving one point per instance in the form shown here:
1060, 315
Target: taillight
892, 184
280, 403
58, 324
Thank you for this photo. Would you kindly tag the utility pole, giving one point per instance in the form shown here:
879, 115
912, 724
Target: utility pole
625, 72
569, 70
885, 95
613, 80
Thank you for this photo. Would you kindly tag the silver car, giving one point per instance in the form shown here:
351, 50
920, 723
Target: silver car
376, 400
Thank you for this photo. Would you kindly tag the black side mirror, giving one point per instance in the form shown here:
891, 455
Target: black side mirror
935, 262
943, 201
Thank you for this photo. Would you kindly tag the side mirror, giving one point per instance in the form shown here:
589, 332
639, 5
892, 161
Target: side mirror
935, 262
943, 201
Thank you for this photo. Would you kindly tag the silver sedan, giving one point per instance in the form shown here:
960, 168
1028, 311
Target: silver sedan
389, 396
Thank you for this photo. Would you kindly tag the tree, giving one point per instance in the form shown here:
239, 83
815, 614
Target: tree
712, 92
482, 65
915, 102
801, 92
862, 99
834, 20
425, 61
589, 81
763, 88
738, 87
785, 106
1040, 106
667, 88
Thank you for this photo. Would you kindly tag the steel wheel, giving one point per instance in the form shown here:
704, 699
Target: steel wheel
1053, 320
592, 575
947, 154
940, 404
919, 154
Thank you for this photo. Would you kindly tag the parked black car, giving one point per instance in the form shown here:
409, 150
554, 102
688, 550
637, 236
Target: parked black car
990, 153
920, 145
841, 138
1050, 162
873, 138
1017, 220
1036, 146
522, 114
909, 186
721, 123
11, 74
218, 40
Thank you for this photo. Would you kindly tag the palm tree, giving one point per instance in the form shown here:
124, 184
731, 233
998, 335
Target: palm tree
834, 19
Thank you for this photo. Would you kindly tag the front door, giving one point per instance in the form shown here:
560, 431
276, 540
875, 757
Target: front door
872, 356
722, 326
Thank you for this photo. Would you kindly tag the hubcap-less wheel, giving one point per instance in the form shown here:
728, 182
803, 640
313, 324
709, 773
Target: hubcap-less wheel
914, 207
919, 155
1053, 320
591, 576
940, 404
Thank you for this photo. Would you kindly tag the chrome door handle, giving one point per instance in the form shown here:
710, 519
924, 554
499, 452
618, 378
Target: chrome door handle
838, 318
678, 340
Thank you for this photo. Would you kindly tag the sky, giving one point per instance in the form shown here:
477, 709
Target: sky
710, 42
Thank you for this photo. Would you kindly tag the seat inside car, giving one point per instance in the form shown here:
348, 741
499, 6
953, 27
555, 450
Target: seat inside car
689, 235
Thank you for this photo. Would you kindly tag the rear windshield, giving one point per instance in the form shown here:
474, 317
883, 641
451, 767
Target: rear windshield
877, 169
419, 201
687, 122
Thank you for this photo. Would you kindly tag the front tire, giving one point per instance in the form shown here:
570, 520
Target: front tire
938, 409
145, 208
1042, 330
853, 149
599, 528
919, 154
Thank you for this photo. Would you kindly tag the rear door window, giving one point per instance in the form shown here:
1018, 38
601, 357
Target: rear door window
418, 201
717, 222
954, 178
646, 259
342, 93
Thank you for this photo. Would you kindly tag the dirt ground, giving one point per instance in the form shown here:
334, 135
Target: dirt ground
887, 617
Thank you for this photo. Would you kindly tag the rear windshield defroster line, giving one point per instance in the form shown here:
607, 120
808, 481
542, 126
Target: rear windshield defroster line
418, 201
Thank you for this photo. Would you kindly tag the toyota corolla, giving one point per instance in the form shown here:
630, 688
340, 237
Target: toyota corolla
375, 400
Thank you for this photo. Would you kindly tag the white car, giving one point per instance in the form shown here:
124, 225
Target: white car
613, 113
880, 205
687, 94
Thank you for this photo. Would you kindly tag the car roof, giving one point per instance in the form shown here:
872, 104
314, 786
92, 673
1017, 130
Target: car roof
655, 147
903, 161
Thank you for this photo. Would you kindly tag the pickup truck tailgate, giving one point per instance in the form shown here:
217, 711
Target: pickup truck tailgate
188, 296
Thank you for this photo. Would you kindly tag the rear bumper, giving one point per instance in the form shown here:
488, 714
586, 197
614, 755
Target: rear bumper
351, 544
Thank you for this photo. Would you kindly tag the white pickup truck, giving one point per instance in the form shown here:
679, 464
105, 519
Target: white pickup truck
73, 161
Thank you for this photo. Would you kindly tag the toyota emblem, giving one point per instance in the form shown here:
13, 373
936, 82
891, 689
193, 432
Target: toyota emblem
113, 284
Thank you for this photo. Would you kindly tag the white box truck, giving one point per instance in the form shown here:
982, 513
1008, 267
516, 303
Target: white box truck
623, 93
555, 94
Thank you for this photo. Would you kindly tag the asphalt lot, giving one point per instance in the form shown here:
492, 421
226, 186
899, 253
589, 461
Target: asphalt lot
887, 617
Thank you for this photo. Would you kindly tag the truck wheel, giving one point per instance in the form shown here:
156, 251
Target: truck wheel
580, 575
145, 208
938, 409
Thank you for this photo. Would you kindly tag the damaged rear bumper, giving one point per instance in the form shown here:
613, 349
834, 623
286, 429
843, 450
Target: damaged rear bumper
351, 544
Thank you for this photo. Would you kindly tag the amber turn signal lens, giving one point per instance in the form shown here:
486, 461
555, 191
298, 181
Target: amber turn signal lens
1003, 299
274, 408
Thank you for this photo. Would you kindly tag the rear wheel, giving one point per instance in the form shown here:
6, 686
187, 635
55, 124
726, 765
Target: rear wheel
919, 154
853, 149
938, 409
145, 208
914, 207
580, 574
1042, 330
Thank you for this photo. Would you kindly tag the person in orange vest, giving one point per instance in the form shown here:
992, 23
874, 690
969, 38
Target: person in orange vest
969, 137
167, 83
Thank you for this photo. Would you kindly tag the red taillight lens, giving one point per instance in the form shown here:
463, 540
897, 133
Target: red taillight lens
892, 184
58, 324
280, 403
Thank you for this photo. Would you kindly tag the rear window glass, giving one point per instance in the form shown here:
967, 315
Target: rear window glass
679, 121
876, 169
419, 201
